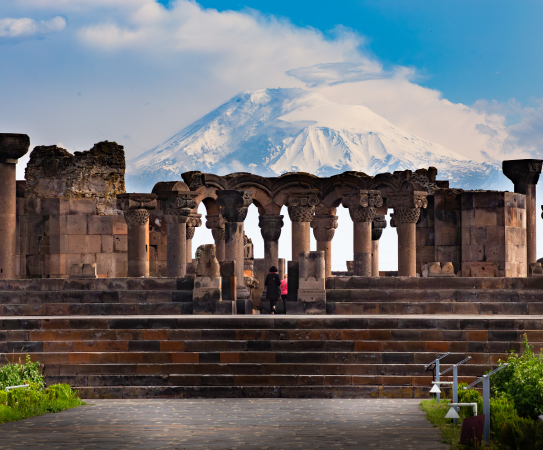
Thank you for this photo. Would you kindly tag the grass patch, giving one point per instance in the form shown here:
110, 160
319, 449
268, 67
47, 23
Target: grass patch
435, 413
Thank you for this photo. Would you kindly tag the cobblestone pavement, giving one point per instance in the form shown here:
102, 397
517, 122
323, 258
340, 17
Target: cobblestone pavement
228, 424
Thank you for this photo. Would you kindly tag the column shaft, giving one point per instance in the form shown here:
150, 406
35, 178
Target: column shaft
362, 248
375, 258
233, 247
529, 191
189, 251
271, 255
8, 220
138, 262
300, 238
407, 249
219, 249
326, 247
177, 253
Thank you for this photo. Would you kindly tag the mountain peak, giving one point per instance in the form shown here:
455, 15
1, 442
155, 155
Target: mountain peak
273, 131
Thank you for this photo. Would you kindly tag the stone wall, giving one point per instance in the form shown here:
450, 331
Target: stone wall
493, 234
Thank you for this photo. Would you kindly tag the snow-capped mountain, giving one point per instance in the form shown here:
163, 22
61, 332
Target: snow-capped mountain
272, 131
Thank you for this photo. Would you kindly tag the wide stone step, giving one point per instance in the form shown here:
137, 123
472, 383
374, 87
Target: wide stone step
93, 297
482, 308
397, 358
97, 284
298, 391
97, 309
467, 370
242, 380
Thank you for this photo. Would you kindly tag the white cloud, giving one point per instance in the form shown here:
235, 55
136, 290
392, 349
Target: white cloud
24, 28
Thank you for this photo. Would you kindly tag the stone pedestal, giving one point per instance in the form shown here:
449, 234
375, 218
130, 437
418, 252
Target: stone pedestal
12, 147
312, 286
524, 173
136, 212
216, 223
177, 209
270, 228
234, 205
324, 228
406, 214
301, 208
378, 224
362, 204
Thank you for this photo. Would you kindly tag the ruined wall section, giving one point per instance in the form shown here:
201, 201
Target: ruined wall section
97, 173
67, 212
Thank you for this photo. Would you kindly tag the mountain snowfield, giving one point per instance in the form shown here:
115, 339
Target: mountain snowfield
273, 131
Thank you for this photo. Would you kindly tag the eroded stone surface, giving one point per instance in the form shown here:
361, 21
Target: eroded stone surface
54, 172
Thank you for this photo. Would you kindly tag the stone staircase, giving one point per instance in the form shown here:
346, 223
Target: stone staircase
259, 356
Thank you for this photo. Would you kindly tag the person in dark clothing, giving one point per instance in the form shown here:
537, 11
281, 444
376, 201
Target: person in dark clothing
272, 284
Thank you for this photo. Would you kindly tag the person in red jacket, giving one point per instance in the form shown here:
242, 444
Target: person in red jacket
284, 288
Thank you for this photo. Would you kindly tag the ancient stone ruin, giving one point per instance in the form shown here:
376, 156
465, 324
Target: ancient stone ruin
104, 289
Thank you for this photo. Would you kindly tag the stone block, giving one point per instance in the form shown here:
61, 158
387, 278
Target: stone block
55, 225
434, 269
56, 264
58, 243
447, 270
104, 262
496, 252
52, 206
308, 295
119, 225
73, 258
120, 243
447, 218
154, 237
312, 283
94, 244
107, 244
495, 235
162, 253
88, 258
77, 243
207, 282
119, 264
314, 307
206, 295
294, 308
489, 217
100, 225
244, 307
311, 264
448, 236
483, 269
76, 224
213, 307
82, 206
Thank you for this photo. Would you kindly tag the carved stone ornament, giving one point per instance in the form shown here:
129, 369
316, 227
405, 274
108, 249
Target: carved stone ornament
219, 234
416, 199
406, 215
362, 214
215, 221
522, 171
177, 209
193, 221
206, 264
234, 204
362, 198
136, 216
197, 181
12, 147
378, 224
137, 201
301, 204
324, 227
270, 226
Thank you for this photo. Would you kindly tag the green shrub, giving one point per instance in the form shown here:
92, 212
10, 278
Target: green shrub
17, 374
522, 382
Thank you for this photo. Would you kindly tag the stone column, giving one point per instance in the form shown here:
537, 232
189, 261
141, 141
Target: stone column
406, 214
234, 205
301, 208
136, 212
215, 223
176, 214
193, 222
362, 204
324, 227
270, 228
12, 147
377, 226
524, 173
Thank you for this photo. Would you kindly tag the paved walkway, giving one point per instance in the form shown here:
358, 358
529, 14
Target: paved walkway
228, 424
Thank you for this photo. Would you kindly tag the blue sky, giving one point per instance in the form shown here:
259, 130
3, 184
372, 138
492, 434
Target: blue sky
467, 49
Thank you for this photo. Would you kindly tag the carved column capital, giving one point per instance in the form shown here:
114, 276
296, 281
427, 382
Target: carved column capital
136, 207
378, 224
234, 204
193, 221
522, 171
270, 226
215, 222
12, 147
407, 206
219, 234
404, 215
324, 227
301, 204
362, 204
177, 207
